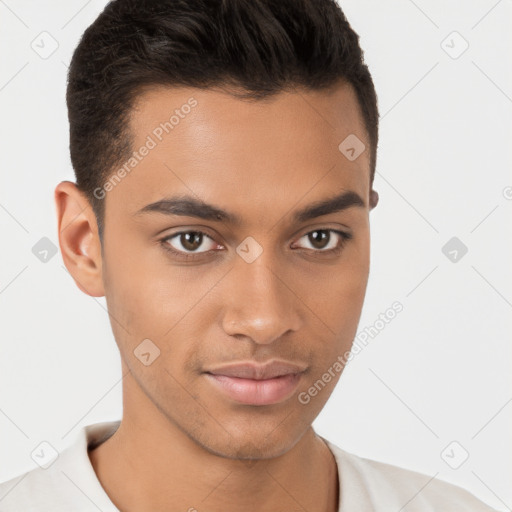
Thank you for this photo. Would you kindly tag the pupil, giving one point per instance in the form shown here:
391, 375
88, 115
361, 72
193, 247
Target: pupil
191, 243
315, 240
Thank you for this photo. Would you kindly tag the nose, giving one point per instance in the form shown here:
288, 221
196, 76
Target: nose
260, 302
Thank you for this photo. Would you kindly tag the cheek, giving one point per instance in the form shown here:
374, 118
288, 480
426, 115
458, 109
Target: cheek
139, 286
335, 294
336, 304
154, 300
351, 282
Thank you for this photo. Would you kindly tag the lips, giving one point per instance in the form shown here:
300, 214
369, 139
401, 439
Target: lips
258, 371
257, 384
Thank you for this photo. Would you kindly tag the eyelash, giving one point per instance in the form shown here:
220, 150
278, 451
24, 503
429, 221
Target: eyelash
344, 238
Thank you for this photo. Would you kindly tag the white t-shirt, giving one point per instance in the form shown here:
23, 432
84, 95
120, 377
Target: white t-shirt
69, 484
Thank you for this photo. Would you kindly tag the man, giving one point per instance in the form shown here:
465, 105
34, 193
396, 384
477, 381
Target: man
224, 153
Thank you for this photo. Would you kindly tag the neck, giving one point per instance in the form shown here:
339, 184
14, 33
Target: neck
149, 464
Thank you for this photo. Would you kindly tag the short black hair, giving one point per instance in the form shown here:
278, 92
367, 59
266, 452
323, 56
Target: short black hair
258, 47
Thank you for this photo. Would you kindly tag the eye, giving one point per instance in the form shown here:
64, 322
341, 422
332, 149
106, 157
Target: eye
187, 243
321, 240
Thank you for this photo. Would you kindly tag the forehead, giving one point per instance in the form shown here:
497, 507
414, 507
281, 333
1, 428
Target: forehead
223, 149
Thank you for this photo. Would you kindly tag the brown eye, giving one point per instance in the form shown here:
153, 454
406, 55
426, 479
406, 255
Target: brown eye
191, 241
188, 241
321, 240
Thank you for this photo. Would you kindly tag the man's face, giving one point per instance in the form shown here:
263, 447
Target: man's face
268, 287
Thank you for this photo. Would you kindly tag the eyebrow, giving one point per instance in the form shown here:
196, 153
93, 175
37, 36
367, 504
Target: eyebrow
191, 207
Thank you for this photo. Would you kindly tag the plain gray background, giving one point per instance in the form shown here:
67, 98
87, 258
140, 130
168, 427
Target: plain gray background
435, 380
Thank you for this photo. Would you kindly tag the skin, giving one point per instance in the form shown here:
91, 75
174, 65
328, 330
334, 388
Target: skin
182, 444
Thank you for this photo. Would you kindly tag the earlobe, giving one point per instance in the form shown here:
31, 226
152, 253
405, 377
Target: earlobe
374, 199
78, 238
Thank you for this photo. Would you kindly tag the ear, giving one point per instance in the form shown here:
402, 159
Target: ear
374, 199
78, 238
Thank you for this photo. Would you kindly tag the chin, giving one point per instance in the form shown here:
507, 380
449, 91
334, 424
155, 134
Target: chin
250, 447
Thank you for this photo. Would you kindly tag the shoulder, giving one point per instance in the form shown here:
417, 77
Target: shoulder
381, 486
15, 494
41, 488
67, 483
